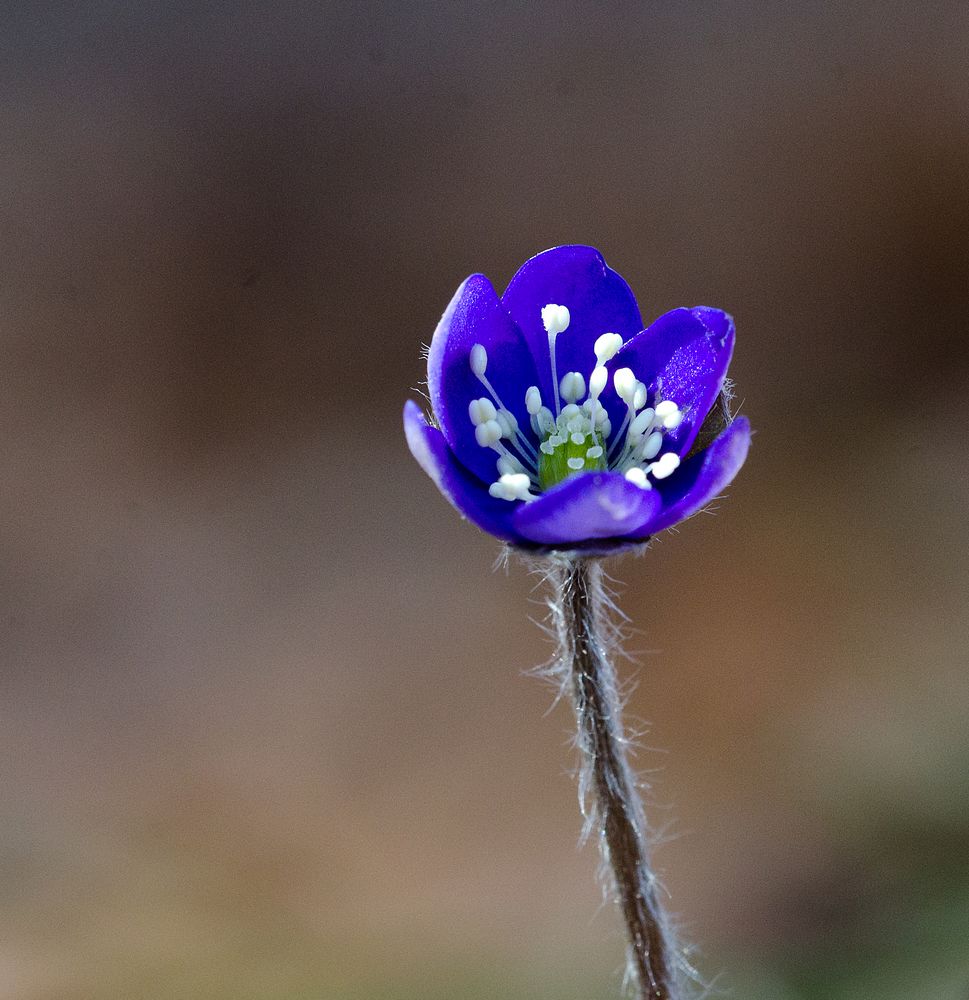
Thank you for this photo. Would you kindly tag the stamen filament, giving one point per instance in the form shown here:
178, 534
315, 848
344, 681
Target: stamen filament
527, 445
555, 377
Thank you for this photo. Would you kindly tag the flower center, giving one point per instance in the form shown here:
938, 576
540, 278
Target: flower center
578, 436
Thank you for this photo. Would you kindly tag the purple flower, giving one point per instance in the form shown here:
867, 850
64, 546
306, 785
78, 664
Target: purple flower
562, 424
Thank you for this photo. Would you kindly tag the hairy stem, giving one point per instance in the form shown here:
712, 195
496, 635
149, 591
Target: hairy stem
608, 789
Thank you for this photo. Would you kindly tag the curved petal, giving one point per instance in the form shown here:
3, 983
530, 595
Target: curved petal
464, 491
590, 505
475, 315
700, 479
684, 356
598, 299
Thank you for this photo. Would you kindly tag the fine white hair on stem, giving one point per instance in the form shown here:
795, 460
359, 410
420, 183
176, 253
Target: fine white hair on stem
587, 627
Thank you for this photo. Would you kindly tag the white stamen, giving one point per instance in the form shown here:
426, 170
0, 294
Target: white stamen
625, 382
508, 465
488, 433
666, 466
669, 413
594, 452
572, 387
533, 400
651, 446
513, 486
575, 464
597, 381
637, 475
555, 319
577, 438
479, 360
607, 347
507, 430
667, 410
481, 410
639, 396
641, 424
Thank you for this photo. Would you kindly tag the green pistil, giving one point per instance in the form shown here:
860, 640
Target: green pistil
554, 468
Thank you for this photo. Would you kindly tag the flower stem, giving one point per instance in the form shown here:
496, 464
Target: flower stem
608, 790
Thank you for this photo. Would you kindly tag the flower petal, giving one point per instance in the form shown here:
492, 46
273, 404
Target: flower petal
464, 491
589, 505
684, 354
700, 479
476, 316
598, 299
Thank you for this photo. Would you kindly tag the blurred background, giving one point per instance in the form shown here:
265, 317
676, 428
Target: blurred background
264, 728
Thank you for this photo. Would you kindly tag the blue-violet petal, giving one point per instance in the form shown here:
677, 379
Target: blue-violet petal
463, 490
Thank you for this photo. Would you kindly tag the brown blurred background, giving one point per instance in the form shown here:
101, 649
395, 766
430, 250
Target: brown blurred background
263, 724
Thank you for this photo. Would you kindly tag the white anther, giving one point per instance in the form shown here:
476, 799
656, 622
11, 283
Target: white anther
666, 466
555, 440
666, 408
481, 410
509, 465
637, 476
479, 360
639, 396
594, 452
513, 486
547, 447
555, 319
625, 382
571, 411
488, 433
607, 347
673, 420
641, 424
572, 387
507, 431
605, 428
577, 437
546, 422
652, 445
597, 381
575, 464
533, 400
